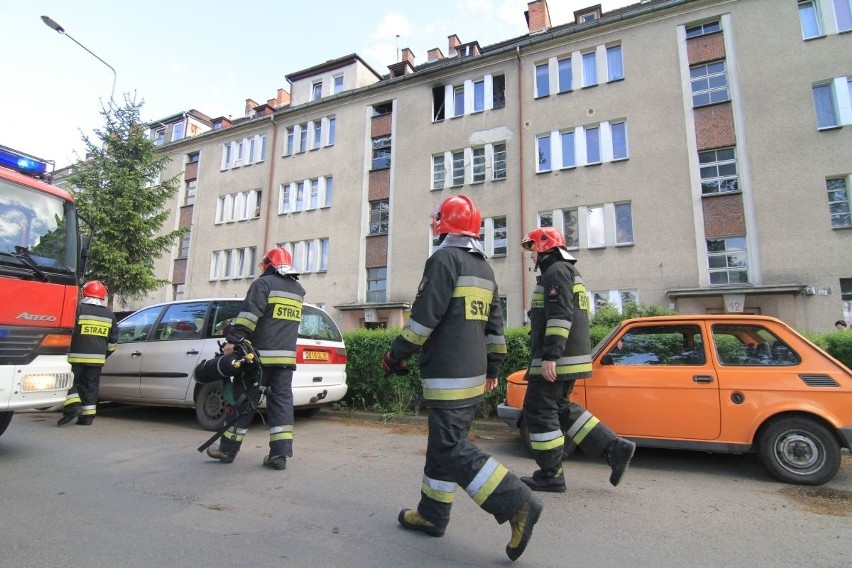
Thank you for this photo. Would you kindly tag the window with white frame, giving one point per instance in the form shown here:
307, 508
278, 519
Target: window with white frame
727, 260
179, 291
337, 84
478, 165
838, 202
379, 217
565, 75
458, 100
590, 69
618, 134
305, 195
238, 206
458, 168
381, 152
316, 90
843, 15
703, 29
303, 137
309, 255
439, 171
243, 152
499, 161
542, 147
593, 145
177, 131
317, 134
189, 192
478, 96
718, 171
233, 263
614, 63
377, 284
709, 83
481, 95
833, 102
291, 136
618, 299
183, 249
592, 226
809, 19
493, 234
542, 79
159, 137
332, 130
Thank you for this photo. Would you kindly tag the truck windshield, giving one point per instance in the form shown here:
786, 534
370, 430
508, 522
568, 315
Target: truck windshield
37, 226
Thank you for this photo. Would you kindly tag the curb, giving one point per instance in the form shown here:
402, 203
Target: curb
416, 420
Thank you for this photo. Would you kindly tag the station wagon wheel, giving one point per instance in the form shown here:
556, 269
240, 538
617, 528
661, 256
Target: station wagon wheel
210, 406
567, 449
800, 450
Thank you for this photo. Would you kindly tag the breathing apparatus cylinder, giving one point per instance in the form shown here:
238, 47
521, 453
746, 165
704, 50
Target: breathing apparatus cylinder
223, 367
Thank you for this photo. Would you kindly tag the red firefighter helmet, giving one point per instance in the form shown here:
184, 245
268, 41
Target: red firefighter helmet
94, 289
276, 258
457, 214
543, 239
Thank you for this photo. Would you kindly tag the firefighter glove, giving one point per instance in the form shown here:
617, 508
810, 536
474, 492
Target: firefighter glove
392, 367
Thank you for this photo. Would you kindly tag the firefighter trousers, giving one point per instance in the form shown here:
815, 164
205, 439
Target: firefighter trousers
84, 392
552, 417
452, 459
279, 412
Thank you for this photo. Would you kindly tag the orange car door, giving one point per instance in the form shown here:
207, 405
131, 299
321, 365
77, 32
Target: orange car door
656, 380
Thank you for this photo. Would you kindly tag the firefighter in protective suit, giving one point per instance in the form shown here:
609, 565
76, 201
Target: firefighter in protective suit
269, 318
457, 324
561, 354
94, 339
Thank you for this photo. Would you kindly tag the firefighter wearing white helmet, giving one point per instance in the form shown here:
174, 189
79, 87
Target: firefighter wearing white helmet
269, 318
94, 339
561, 354
457, 324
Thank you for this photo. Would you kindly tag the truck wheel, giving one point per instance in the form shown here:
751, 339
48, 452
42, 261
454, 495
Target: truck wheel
800, 451
5, 418
567, 449
210, 406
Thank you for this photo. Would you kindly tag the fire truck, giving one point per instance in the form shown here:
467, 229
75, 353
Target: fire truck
42, 257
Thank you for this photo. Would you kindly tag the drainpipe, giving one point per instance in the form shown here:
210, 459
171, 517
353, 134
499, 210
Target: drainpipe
269, 186
521, 191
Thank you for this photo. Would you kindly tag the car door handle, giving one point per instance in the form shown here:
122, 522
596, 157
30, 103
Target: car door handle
702, 378
192, 352
136, 354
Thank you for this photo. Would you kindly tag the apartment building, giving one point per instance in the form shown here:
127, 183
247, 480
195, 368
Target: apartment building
696, 153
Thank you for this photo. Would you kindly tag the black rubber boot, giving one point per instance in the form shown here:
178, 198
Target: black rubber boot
275, 462
618, 455
541, 480
414, 521
218, 454
69, 413
85, 420
522, 523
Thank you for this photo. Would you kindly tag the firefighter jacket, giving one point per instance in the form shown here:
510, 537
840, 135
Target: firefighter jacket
269, 317
95, 335
559, 322
457, 323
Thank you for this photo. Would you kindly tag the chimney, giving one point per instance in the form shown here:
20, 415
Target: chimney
283, 98
434, 55
408, 55
538, 16
454, 42
250, 104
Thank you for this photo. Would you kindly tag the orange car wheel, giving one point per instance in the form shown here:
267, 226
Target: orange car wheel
799, 450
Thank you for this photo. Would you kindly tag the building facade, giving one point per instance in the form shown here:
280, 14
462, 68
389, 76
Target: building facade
696, 154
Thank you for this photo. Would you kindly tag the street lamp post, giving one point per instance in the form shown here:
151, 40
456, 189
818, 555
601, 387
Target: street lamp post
59, 29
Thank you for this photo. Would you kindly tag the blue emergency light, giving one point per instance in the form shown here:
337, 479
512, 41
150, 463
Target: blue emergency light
22, 163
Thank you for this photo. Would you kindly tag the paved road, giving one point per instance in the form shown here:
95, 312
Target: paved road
132, 491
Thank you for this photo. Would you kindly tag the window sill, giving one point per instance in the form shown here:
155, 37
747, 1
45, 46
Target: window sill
828, 128
565, 92
821, 36
477, 182
841, 228
499, 179
437, 188
718, 193
592, 164
616, 80
623, 245
540, 97
567, 168
624, 159
543, 172
589, 86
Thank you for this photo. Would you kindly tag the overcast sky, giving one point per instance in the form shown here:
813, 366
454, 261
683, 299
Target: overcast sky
210, 55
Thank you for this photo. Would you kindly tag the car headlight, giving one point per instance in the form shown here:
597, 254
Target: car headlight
38, 382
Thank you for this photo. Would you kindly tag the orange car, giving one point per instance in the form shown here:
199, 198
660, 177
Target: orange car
717, 383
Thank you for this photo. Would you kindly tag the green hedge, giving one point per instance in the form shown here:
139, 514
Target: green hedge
370, 389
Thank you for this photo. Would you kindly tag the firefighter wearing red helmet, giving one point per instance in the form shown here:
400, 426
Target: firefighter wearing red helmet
269, 318
94, 339
561, 354
457, 325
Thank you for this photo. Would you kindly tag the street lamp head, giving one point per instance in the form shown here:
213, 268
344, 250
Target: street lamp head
52, 24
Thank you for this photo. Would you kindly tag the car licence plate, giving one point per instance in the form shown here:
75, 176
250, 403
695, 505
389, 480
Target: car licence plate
315, 355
